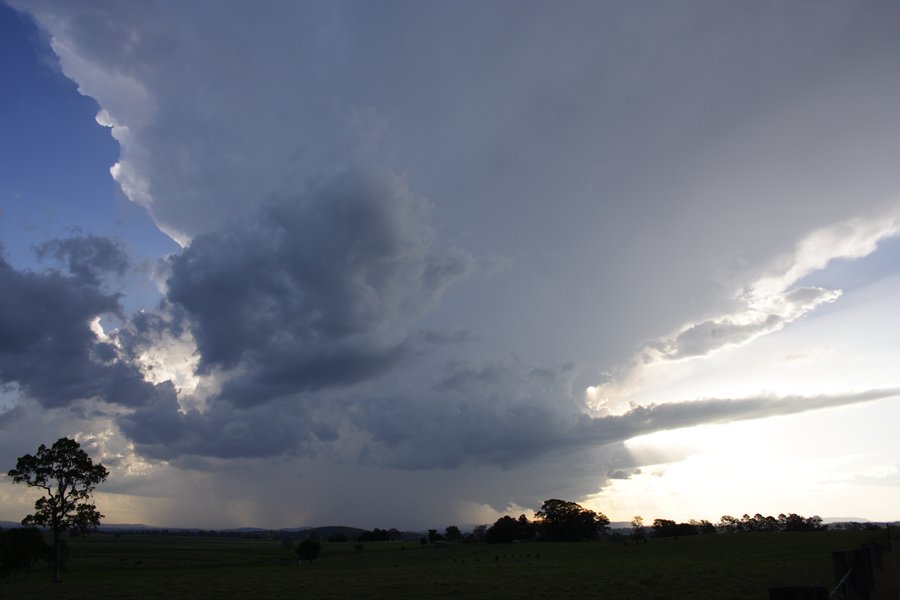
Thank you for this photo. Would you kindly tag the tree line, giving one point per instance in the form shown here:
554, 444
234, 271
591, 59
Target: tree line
789, 522
560, 520
68, 477
662, 528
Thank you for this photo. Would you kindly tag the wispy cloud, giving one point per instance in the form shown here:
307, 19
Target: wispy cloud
641, 420
769, 304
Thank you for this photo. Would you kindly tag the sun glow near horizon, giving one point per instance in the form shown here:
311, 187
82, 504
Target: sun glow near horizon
773, 465
794, 463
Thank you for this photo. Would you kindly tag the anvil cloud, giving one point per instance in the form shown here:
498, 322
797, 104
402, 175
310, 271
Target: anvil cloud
472, 248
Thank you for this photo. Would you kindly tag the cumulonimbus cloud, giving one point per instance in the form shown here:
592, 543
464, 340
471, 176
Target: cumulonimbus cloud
310, 267
315, 290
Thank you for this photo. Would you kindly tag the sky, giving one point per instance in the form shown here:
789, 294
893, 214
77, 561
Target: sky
405, 264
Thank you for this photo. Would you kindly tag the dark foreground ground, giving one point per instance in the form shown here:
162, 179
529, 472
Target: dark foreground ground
711, 566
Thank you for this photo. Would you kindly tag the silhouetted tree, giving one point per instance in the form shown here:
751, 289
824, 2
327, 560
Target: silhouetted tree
309, 549
63, 555
525, 530
561, 520
794, 522
68, 477
376, 535
478, 533
452, 533
503, 531
668, 528
814, 523
702, 526
730, 524
663, 528
637, 528
19, 548
759, 523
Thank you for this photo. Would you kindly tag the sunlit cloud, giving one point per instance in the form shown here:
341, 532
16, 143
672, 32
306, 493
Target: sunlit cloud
768, 305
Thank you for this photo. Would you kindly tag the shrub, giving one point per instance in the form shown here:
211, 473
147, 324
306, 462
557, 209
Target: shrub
309, 549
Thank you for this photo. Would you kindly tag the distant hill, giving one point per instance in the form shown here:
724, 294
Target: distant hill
845, 520
126, 527
328, 531
352, 533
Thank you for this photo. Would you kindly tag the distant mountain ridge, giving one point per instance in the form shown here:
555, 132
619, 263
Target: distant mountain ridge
332, 530
324, 532
848, 520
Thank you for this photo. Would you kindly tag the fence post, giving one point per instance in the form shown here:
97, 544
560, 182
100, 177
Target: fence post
854, 570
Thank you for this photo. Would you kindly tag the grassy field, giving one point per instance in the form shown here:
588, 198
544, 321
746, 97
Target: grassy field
712, 566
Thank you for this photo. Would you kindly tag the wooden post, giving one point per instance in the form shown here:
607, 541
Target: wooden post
854, 572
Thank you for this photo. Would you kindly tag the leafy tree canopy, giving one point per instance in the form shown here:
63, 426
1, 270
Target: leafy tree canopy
452, 533
757, 523
568, 521
506, 530
68, 476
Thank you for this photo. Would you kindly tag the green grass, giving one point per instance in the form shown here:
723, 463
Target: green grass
713, 566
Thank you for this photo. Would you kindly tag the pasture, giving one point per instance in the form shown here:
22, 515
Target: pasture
709, 566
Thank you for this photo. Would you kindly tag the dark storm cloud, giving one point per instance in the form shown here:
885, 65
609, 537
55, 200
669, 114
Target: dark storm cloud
161, 430
317, 290
506, 414
464, 377
9, 418
47, 345
87, 258
489, 413
509, 414
439, 338
502, 413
